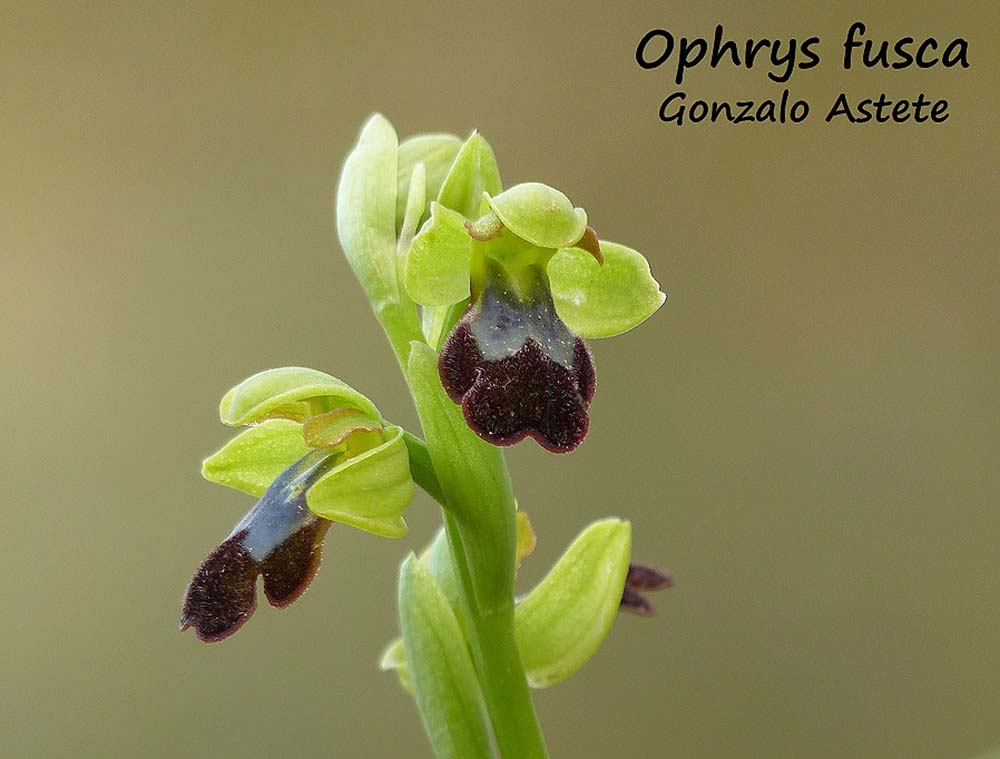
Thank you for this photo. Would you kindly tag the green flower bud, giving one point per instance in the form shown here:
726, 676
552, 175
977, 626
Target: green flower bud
563, 621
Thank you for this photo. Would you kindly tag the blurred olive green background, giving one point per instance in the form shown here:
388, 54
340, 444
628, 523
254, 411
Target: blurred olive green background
806, 434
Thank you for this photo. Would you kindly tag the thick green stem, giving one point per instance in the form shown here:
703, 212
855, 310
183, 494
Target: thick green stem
470, 479
498, 662
472, 475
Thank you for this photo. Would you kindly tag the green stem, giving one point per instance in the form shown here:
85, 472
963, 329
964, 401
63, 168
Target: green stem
498, 662
479, 517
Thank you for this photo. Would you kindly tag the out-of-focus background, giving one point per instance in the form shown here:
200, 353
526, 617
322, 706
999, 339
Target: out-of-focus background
806, 434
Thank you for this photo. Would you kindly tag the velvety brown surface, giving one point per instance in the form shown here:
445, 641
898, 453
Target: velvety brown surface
524, 394
222, 595
806, 434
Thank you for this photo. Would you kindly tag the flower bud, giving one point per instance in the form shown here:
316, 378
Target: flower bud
563, 621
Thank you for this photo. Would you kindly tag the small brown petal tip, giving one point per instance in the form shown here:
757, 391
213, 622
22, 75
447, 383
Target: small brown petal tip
634, 603
642, 577
591, 244
487, 228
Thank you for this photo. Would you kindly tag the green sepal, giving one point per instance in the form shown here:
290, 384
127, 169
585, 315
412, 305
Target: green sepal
602, 301
369, 490
563, 621
291, 392
252, 460
437, 266
332, 429
474, 172
436, 152
539, 214
442, 674
366, 211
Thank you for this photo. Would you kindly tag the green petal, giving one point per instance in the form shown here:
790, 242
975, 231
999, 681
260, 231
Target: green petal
366, 211
253, 459
443, 677
437, 267
332, 429
474, 172
291, 392
369, 491
602, 301
540, 214
436, 152
563, 621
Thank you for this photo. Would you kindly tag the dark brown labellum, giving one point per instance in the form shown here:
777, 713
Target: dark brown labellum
518, 371
279, 538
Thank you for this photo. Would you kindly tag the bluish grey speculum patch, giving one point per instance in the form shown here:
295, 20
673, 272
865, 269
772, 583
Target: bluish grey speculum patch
516, 368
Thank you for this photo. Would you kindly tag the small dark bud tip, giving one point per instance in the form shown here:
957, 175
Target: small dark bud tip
635, 603
642, 577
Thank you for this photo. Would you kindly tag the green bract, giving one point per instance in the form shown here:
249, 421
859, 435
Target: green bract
474, 473
366, 211
440, 669
291, 392
562, 622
